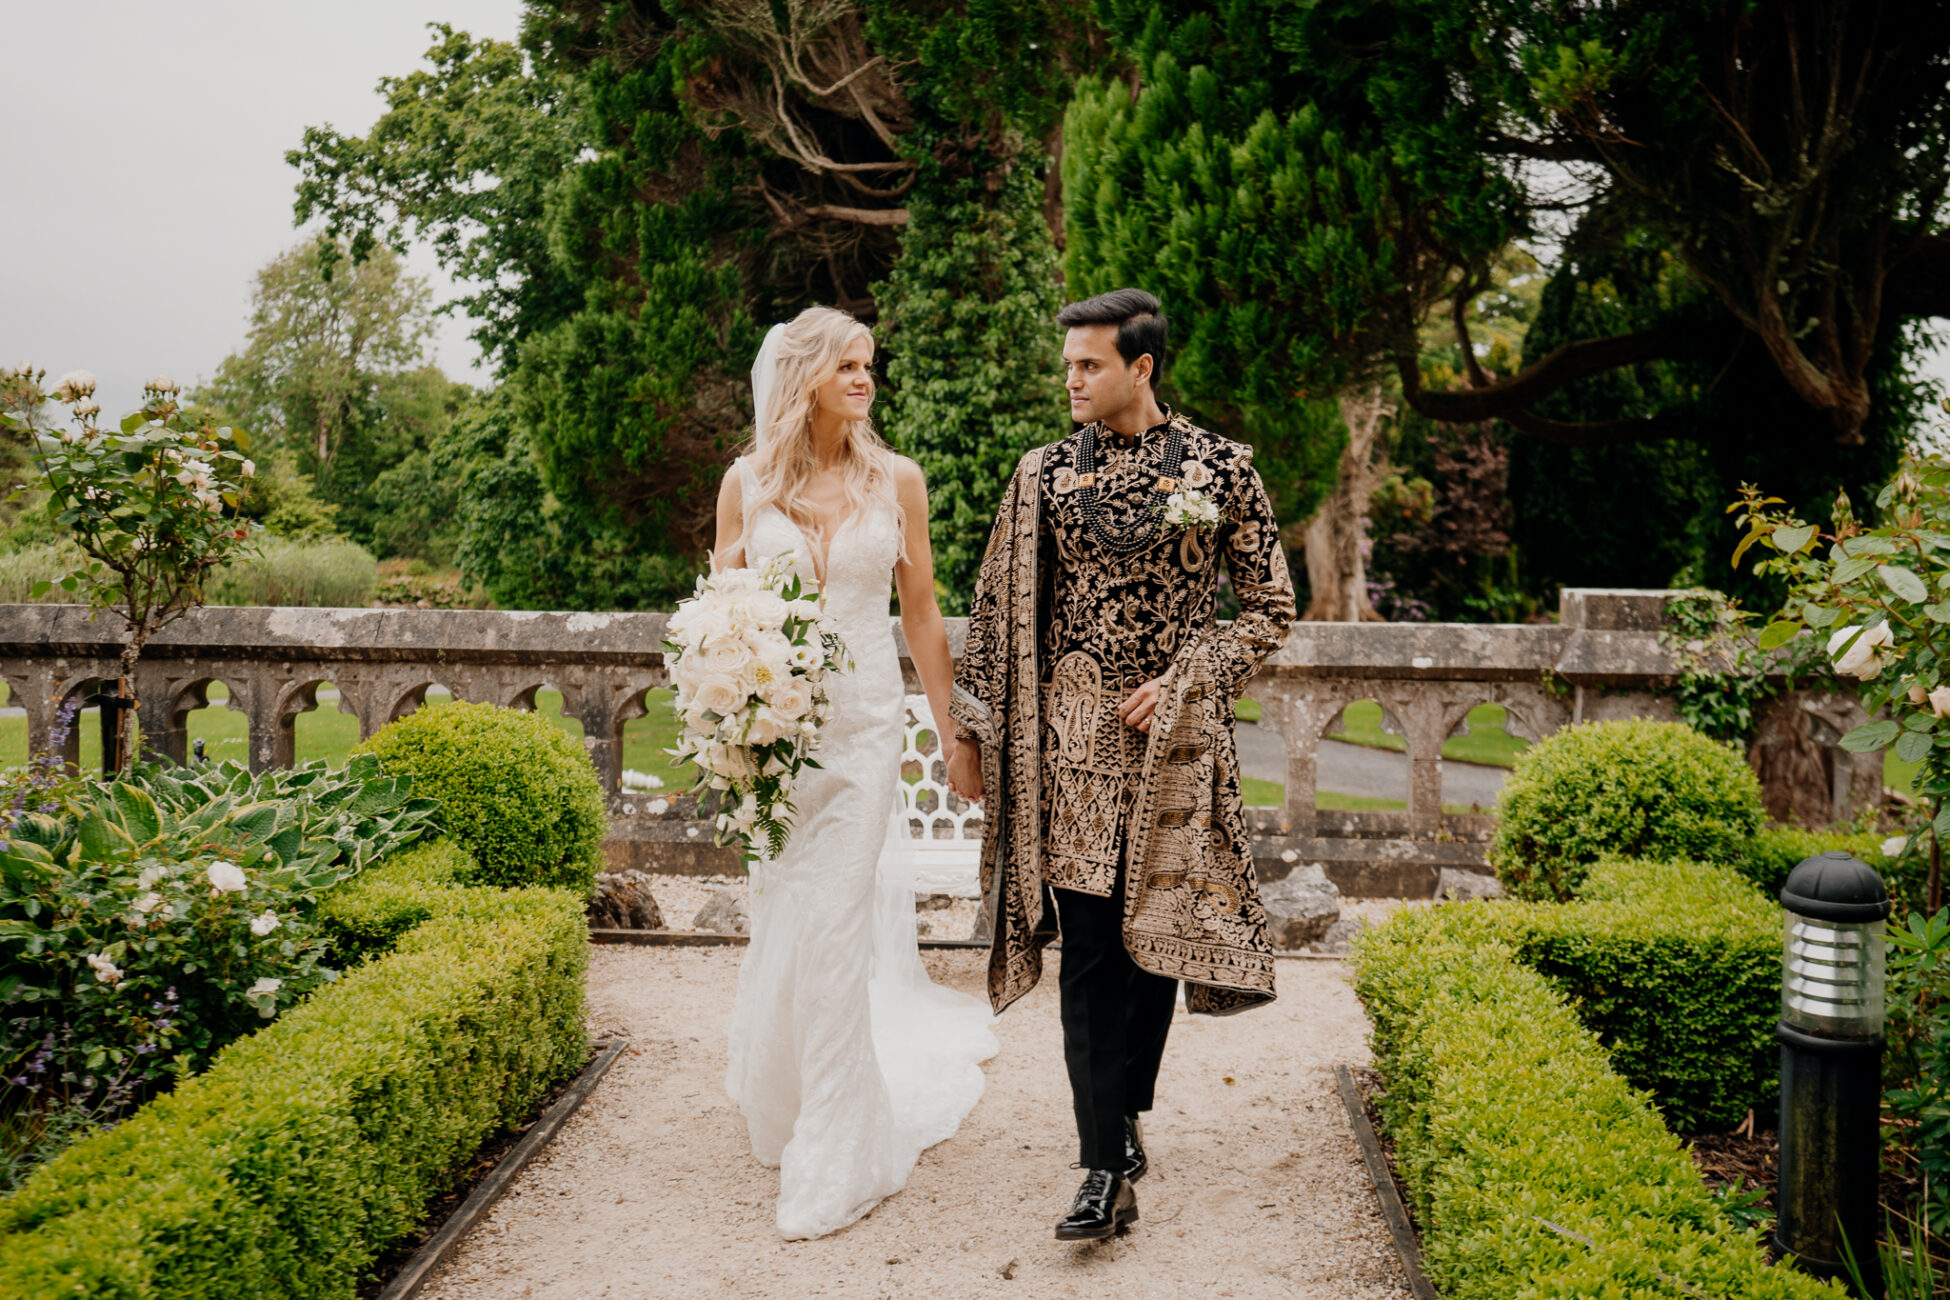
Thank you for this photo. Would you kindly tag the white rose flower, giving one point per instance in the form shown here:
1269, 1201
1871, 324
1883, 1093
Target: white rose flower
106, 971
76, 383
1860, 660
805, 608
149, 876
263, 925
148, 903
264, 987
161, 384
738, 582
791, 698
771, 725
249, 468
227, 878
87, 408
1940, 701
727, 657
718, 693
1893, 846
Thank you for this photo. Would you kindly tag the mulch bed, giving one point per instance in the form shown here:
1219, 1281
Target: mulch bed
479, 1166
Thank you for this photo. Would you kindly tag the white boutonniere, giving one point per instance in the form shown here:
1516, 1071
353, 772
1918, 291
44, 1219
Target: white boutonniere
1190, 508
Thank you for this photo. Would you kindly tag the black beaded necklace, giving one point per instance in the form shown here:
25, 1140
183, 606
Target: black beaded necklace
1124, 541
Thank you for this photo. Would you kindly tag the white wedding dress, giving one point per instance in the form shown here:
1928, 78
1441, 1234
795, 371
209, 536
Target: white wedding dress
846, 1060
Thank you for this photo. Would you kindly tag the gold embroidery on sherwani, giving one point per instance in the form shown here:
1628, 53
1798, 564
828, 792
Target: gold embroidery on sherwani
1191, 910
1090, 758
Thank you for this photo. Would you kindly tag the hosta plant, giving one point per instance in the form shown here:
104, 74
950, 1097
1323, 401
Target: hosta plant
147, 922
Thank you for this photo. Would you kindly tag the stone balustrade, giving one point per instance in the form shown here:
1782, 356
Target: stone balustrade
1602, 659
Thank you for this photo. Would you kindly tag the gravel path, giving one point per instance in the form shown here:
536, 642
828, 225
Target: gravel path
1256, 1189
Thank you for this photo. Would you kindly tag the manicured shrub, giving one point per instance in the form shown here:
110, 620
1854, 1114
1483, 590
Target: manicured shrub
1676, 967
1507, 1118
1632, 789
309, 1147
1769, 856
516, 791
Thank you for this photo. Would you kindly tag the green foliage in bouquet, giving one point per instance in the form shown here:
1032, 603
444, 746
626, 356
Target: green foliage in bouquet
1628, 789
516, 791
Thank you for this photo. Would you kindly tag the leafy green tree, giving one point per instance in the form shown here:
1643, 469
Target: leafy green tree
646, 185
333, 378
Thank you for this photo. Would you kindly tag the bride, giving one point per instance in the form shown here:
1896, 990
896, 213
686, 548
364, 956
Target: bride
845, 1059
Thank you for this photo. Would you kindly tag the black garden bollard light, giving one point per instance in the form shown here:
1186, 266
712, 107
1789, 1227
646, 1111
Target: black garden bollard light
1831, 1065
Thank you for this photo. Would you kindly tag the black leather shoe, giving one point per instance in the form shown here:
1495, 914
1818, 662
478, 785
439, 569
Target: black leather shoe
1105, 1204
1134, 1162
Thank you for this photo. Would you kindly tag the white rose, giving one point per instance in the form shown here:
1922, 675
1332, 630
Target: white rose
771, 726
264, 924
726, 657
718, 693
148, 903
264, 987
161, 384
769, 648
149, 876
1893, 846
1940, 701
76, 383
1860, 660
766, 609
790, 697
805, 608
87, 408
707, 624
738, 582
249, 468
227, 878
106, 971
732, 762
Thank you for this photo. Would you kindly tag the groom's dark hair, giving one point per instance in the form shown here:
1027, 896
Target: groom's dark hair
1140, 321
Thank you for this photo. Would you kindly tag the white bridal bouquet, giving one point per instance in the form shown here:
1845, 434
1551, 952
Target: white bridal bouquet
748, 657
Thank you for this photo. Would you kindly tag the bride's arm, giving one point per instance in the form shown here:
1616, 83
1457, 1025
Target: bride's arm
927, 634
729, 553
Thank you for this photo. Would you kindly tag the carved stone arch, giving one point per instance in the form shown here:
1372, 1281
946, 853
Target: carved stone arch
300, 695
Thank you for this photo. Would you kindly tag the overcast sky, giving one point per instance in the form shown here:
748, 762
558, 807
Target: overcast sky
144, 146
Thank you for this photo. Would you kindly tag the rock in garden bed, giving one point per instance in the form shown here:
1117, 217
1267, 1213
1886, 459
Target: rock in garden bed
623, 901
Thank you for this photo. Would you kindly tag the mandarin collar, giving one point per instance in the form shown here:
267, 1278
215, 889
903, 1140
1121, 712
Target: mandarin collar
1124, 442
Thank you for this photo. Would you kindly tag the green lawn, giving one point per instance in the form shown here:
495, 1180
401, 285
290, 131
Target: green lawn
328, 734
1487, 741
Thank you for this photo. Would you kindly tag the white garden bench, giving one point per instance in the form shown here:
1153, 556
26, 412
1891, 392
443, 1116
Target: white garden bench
941, 852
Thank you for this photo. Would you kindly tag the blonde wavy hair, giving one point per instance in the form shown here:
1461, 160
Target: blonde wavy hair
810, 352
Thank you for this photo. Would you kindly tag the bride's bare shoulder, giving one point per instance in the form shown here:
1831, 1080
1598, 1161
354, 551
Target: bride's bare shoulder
907, 474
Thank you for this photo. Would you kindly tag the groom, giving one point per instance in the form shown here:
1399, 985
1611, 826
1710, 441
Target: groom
1093, 703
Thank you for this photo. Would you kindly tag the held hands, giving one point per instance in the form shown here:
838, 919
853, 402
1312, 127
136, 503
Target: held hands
1138, 709
965, 770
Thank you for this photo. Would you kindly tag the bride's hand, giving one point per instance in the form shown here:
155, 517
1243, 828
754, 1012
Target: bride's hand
965, 771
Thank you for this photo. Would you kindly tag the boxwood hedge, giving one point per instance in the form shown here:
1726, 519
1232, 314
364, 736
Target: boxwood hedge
1533, 1167
1626, 789
1676, 967
307, 1148
517, 791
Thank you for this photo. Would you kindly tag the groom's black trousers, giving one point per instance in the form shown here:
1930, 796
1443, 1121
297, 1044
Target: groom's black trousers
1115, 1018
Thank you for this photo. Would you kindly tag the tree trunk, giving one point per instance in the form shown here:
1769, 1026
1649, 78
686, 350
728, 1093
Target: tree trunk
1337, 572
1795, 783
117, 756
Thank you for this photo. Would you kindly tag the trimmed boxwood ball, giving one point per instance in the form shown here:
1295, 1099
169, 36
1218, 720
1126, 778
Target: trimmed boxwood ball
516, 791
1628, 789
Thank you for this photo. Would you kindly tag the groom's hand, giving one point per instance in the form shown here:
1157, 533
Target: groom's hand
965, 770
1142, 704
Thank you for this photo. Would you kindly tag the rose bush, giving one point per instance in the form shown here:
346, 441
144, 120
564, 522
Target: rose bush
151, 503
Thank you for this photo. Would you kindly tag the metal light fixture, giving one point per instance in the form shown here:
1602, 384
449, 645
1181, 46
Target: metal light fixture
1831, 1064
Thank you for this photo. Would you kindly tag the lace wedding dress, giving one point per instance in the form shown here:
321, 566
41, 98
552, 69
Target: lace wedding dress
846, 1060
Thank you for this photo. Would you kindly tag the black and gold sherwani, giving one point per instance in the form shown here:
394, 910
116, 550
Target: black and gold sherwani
1145, 830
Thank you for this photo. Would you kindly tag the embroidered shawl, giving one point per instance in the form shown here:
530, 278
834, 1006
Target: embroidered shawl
1191, 907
